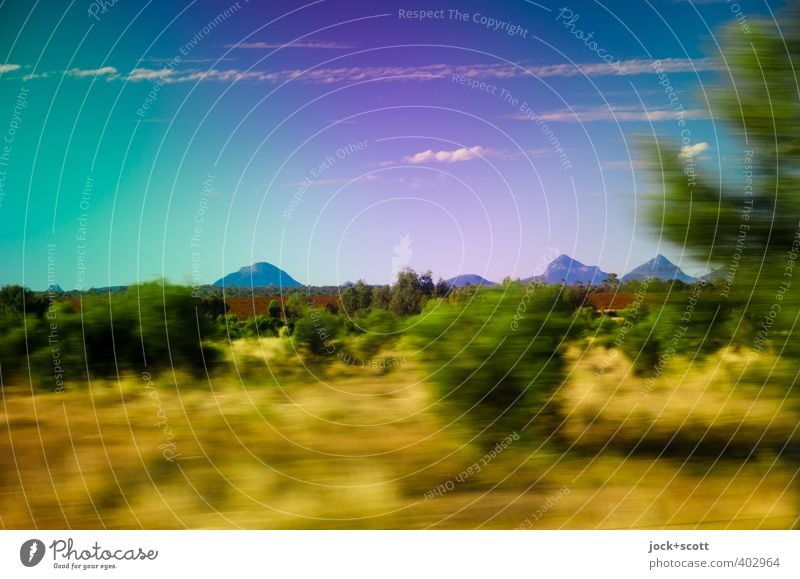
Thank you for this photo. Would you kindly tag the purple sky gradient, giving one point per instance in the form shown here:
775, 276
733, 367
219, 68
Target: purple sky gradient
211, 143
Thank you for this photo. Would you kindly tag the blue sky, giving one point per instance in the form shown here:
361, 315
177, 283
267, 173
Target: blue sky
190, 139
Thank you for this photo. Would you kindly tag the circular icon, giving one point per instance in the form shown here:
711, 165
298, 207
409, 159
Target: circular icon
31, 552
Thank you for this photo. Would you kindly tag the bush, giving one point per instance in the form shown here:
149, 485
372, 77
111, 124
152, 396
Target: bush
692, 321
263, 326
497, 359
379, 329
149, 327
315, 332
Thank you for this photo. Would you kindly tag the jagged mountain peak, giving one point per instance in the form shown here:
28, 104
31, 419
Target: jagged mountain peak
660, 268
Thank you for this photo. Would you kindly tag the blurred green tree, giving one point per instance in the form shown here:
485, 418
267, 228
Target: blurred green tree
363, 295
315, 333
407, 293
746, 223
497, 360
381, 296
16, 300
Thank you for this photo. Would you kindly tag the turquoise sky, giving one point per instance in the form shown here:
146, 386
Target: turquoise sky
188, 139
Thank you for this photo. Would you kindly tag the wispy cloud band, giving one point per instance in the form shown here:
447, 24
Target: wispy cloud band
390, 73
320, 45
583, 114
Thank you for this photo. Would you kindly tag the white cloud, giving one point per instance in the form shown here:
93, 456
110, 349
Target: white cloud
632, 66
456, 156
80, 73
674, 65
611, 113
691, 151
138, 74
9, 68
162, 60
493, 71
299, 44
444, 71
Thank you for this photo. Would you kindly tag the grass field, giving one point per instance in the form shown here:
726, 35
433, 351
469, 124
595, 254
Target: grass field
337, 446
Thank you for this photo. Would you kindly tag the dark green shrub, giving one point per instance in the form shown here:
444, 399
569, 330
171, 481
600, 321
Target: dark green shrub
497, 360
315, 333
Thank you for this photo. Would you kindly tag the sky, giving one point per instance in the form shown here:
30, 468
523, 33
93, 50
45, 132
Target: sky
343, 140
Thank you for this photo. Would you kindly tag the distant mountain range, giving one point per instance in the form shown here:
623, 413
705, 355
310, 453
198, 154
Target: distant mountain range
562, 269
570, 271
660, 268
259, 274
468, 279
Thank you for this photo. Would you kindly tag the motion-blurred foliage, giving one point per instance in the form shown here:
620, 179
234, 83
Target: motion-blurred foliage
745, 222
497, 358
150, 326
376, 331
685, 322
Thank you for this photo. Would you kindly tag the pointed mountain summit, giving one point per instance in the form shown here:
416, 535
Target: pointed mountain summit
570, 271
260, 274
468, 279
718, 274
660, 268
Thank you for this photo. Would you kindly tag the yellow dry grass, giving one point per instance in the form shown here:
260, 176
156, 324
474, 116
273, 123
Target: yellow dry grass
277, 447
